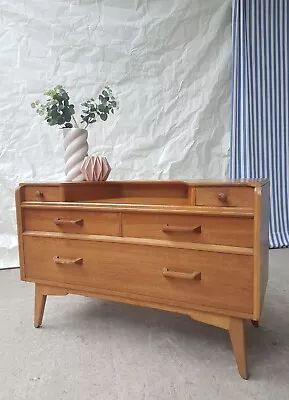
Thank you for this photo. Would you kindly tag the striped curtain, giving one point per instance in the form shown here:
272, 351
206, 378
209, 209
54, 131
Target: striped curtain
260, 106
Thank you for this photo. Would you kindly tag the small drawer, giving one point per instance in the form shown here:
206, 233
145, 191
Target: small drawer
219, 230
226, 196
178, 276
72, 221
41, 193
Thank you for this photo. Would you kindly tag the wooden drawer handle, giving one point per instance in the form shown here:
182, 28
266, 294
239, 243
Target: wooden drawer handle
67, 261
63, 221
39, 195
222, 197
182, 275
189, 229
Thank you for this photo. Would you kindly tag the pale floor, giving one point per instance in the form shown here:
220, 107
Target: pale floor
99, 350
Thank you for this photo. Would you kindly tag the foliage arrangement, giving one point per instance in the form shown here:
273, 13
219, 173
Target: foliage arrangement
57, 109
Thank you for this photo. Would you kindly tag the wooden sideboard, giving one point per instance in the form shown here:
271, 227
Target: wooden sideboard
196, 248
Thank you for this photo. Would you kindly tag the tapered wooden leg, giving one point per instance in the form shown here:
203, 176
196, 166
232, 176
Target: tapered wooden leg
237, 335
40, 300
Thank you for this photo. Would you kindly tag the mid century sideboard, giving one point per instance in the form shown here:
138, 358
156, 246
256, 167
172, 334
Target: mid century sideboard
197, 248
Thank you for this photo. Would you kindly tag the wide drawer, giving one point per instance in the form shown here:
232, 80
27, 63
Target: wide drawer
225, 196
223, 281
41, 193
196, 229
72, 221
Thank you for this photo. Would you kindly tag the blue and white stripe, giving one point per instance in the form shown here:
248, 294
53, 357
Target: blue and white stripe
260, 104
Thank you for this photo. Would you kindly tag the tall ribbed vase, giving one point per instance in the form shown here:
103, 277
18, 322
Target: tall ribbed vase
76, 148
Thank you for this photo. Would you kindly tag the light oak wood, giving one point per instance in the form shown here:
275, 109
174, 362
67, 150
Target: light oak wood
227, 196
168, 190
145, 242
42, 193
190, 184
67, 261
19, 198
181, 229
163, 201
197, 248
40, 300
72, 221
261, 241
237, 335
236, 212
225, 283
64, 221
41, 293
181, 275
196, 229
220, 321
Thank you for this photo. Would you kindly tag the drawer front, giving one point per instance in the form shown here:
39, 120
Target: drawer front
196, 229
218, 196
72, 221
42, 193
216, 280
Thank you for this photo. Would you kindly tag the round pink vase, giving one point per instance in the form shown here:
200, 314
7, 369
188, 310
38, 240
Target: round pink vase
95, 168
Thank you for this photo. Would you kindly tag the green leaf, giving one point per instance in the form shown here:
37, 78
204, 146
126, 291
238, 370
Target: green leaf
102, 108
64, 95
103, 117
33, 105
54, 114
105, 94
101, 98
67, 125
49, 92
60, 120
94, 120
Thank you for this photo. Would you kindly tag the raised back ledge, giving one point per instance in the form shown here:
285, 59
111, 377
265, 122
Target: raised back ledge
191, 183
129, 193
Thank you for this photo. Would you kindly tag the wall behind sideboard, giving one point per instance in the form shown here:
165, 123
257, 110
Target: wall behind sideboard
169, 63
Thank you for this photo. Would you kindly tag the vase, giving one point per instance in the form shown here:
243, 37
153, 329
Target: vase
76, 148
95, 168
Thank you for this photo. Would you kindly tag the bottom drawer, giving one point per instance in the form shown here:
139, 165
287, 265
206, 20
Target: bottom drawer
185, 277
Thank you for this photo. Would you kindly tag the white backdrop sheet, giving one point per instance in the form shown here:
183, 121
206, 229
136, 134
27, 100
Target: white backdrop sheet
169, 62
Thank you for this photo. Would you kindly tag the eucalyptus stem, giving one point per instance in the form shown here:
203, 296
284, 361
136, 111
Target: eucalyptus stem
75, 121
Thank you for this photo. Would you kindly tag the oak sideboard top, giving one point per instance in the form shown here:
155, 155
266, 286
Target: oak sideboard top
179, 194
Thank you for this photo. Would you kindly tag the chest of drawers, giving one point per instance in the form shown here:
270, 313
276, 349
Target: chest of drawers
197, 248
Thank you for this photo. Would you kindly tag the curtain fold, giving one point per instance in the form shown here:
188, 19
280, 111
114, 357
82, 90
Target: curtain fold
260, 106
